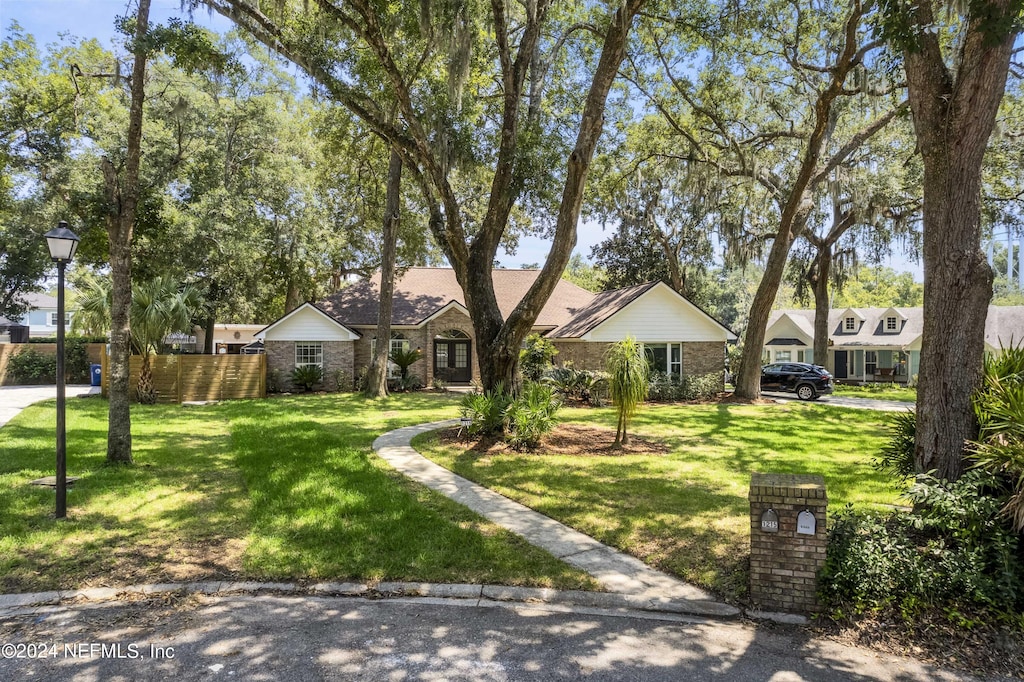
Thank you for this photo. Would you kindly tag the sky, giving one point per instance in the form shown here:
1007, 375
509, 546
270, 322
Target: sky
46, 20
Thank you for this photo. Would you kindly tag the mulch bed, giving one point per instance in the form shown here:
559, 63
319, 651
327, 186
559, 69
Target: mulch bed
565, 439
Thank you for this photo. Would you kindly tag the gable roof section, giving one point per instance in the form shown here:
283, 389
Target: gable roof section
262, 334
609, 305
783, 323
603, 306
422, 293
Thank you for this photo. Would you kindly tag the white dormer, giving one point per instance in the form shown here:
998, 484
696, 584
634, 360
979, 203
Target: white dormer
892, 321
850, 321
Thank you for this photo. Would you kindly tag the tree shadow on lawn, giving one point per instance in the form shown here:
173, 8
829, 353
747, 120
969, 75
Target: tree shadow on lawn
323, 507
177, 514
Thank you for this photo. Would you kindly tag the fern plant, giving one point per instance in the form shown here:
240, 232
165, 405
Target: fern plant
307, 376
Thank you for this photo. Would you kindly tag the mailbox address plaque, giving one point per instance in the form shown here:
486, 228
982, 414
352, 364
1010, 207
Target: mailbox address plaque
769, 521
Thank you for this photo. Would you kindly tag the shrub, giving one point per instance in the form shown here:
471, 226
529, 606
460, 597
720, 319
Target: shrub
531, 415
487, 410
999, 407
953, 549
307, 376
439, 384
578, 385
340, 379
665, 388
273, 381
404, 384
29, 366
896, 457
535, 357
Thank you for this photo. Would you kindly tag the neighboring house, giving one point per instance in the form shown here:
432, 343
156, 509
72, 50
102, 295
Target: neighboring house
874, 344
41, 318
429, 314
12, 332
228, 338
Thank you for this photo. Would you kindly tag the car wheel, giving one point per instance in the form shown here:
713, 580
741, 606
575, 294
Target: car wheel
806, 392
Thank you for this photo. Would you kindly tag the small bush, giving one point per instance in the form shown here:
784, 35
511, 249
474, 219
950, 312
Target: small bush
531, 415
273, 381
663, 388
487, 410
535, 357
579, 386
439, 384
410, 382
307, 376
896, 457
340, 379
29, 366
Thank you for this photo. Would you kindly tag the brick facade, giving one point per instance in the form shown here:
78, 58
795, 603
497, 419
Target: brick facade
784, 565
704, 357
699, 358
338, 355
581, 354
417, 339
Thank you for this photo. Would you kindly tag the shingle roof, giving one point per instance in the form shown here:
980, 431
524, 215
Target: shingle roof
1004, 326
420, 292
602, 306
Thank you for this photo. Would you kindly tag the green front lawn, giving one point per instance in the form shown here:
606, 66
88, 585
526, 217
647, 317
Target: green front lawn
276, 489
877, 392
686, 512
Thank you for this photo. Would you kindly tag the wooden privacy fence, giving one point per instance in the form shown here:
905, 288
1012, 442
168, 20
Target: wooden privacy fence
94, 351
188, 378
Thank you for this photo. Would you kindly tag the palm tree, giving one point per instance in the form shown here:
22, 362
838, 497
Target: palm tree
627, 381
159, 307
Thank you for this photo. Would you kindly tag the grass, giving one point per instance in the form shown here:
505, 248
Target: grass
888, 391
687, 512
276, 489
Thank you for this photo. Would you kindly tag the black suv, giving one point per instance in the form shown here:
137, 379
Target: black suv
806, 380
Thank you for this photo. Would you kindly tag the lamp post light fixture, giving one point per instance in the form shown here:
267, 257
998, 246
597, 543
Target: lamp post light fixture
63, 243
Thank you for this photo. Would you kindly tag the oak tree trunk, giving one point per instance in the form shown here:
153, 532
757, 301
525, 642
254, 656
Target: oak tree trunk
953, 118
823, 270
122, 194
377, 379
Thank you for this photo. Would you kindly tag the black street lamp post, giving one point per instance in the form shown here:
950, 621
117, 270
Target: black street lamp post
62, 243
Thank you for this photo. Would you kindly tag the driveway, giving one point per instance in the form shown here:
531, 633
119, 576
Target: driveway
847, 401
14, 399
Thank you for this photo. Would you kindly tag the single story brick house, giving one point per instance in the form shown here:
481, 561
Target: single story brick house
429, 314
874, 344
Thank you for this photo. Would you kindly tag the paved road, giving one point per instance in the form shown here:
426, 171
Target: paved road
316, 638
14, 399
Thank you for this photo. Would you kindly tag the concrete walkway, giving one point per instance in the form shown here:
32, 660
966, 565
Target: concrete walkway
617, 572
14, 399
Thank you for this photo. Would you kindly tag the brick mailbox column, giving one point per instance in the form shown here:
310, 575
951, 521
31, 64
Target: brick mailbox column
787, 540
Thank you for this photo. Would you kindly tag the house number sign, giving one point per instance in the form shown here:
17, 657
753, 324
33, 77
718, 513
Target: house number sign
769, 521
806, 523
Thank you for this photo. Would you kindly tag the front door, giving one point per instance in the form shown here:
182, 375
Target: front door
451, 361
840, 361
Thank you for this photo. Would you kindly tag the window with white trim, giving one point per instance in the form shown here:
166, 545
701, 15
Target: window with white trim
851, 324
398, 343
307, 353
53, 319
783, 356
890, 324
666, 358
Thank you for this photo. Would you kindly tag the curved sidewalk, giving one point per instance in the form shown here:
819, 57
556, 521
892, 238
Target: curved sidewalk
617, 572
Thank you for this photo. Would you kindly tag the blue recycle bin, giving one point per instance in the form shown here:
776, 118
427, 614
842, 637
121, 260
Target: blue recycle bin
95, 374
